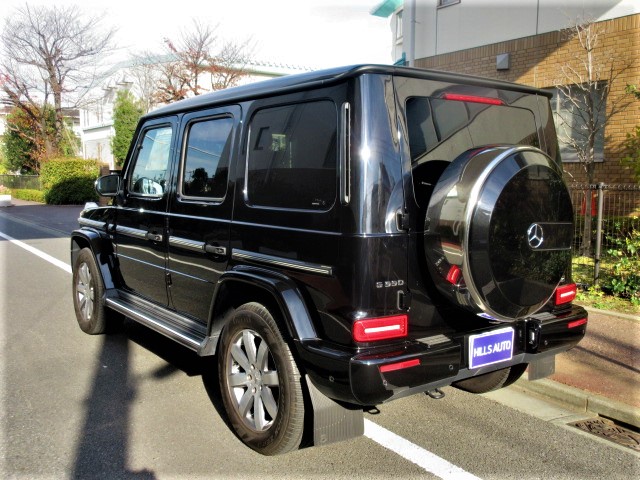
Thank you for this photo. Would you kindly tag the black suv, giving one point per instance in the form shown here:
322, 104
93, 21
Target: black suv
340, 239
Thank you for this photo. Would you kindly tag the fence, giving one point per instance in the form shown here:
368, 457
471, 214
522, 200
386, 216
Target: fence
602, 213
18, 182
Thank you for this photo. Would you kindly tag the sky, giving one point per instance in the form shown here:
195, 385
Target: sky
307, 33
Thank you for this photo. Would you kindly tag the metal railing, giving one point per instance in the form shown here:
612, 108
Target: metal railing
602, 213
31, 182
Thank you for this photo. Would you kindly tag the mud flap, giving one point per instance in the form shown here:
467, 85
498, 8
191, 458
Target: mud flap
542, 368
332, 422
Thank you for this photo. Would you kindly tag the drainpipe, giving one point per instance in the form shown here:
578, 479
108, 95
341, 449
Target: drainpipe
411, 50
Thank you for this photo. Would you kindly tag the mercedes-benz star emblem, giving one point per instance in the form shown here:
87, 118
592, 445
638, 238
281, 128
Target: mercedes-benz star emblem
535, 235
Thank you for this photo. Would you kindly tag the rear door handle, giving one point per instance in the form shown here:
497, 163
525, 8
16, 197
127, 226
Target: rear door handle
154, 237
216, 250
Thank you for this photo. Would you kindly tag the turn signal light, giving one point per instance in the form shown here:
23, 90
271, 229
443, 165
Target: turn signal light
565, 293
382, 328
472, 98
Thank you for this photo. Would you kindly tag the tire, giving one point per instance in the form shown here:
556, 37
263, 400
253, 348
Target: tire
492, 380
88, 290
260, 383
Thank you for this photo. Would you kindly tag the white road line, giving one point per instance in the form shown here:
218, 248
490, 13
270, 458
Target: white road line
39, 253
401, 446
412, 452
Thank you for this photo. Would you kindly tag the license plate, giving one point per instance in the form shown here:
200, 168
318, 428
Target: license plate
491, 347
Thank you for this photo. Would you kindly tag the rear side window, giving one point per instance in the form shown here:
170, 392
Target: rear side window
291, 158
445, 129
206, 158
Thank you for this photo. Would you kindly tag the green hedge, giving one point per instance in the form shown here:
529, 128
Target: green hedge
69, 181
28, 194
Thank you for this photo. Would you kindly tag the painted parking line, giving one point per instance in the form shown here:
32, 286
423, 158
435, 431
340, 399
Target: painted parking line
389, 440
45, 256
431, 462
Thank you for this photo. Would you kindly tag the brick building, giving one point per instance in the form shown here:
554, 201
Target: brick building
527, 42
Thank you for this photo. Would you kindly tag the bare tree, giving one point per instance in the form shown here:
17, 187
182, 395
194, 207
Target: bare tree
585, 86
198, 57
230, 65
51, 52
584, 89
146, 77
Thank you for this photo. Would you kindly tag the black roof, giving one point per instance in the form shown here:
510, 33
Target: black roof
320, 78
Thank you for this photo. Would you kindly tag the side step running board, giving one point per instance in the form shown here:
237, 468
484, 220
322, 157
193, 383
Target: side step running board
161, 321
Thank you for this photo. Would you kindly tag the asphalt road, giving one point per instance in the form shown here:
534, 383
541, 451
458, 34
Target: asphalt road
133, 405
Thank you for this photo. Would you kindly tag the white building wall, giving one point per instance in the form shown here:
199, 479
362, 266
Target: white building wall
473, 23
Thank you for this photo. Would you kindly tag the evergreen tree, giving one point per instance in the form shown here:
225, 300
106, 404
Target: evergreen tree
126, 113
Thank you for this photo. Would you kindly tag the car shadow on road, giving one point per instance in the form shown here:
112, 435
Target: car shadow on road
104, 438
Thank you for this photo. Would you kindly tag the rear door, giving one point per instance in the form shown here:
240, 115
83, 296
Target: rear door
201, 210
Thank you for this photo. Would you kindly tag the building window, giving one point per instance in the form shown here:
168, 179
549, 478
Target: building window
399, 26
446, 3
571, 106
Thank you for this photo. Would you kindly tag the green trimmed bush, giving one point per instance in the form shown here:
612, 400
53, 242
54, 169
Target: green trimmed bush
69, 181
28, 194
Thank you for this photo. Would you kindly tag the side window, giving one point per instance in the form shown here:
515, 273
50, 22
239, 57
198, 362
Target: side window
206, 158
150, 170
291, 159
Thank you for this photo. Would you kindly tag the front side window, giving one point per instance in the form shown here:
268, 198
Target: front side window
291, 158
206, 158
151, 167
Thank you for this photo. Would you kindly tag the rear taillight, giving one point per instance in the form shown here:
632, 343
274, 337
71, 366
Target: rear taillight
381, 328
472, 98
565, 293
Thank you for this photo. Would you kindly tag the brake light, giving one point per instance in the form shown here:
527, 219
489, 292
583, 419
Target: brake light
472, 98
382, 328
566, 293
392, 367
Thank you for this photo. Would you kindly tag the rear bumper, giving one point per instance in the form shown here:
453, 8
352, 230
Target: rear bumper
379, 375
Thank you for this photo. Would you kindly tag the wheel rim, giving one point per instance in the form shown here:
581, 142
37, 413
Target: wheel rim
85, 292
252, 380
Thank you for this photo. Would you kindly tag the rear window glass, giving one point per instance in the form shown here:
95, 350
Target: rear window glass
292, 156
443, 129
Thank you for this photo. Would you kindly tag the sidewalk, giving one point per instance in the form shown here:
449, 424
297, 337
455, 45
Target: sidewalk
601, 375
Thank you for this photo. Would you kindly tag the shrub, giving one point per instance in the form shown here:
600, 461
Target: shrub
69, 181
28, 194
72, 191
624, 280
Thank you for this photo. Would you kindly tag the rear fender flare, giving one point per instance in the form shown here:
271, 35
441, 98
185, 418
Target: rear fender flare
243, 285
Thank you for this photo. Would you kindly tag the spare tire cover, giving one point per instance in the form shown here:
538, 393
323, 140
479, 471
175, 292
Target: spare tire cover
498, 231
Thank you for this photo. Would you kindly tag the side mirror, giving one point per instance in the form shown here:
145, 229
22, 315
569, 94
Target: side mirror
108, 185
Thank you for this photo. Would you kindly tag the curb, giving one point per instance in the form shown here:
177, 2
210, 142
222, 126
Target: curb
582, 400
611, 313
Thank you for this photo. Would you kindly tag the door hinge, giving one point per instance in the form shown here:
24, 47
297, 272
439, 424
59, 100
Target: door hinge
167, 279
